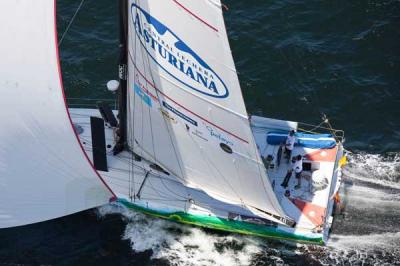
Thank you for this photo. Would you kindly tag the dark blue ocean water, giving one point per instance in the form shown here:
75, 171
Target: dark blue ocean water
296, 60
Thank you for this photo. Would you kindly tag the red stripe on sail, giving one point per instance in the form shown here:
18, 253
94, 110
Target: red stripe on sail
189, 111
66, 106
194, 15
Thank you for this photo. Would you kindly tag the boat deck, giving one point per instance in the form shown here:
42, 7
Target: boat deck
137, 183
125, 176
308, 204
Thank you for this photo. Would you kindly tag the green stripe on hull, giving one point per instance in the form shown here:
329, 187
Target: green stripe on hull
224, 224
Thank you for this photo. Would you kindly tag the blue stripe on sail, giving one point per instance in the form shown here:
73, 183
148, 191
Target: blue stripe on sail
181, 115
145, 98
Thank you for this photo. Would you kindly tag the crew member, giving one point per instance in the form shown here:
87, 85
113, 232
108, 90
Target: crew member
298, 169
289, 145
288, 174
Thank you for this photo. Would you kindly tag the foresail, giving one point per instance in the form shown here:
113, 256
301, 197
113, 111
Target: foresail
44, 172
186, 110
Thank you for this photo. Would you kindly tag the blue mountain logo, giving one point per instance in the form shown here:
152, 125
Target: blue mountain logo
175, 57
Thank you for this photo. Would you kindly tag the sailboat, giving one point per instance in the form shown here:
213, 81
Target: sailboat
179, 146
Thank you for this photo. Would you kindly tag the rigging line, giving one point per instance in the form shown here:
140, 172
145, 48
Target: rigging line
162, 180
164, 119
129, 139
116, 177
130, 162
132, 124
151, 131
214, 104
159, 101
123, 170
153, 174
163, 194
91, 99
160, 193
142, 122
148, 108
131, 168
185, 108
213, 206
261, 168
150, 184
70, 23
171, 191
126, 160
159, 199
176, 154
152, 134
141, 102
158, 162
240, 115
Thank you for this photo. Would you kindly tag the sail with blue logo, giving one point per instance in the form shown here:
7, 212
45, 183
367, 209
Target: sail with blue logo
185, 107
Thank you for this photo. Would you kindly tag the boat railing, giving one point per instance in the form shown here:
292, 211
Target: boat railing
323, 127
90, 103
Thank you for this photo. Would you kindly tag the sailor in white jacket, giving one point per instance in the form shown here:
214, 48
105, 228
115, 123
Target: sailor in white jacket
298, 169
289, 145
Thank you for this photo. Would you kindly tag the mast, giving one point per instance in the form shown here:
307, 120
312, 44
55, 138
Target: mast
122, 73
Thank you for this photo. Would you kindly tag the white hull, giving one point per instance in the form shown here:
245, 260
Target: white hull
166, 194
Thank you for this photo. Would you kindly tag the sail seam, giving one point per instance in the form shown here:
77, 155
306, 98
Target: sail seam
70, 22
158, 99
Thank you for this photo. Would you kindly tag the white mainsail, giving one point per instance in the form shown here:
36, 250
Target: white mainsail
44, 172
185, 107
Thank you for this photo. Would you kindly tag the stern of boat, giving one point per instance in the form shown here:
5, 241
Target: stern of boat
312, 205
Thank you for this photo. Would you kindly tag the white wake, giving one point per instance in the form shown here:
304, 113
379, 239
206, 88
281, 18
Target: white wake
181, 244
375, 185
378, 169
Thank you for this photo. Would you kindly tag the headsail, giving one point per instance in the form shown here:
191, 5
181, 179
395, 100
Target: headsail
44, 172
186, 108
